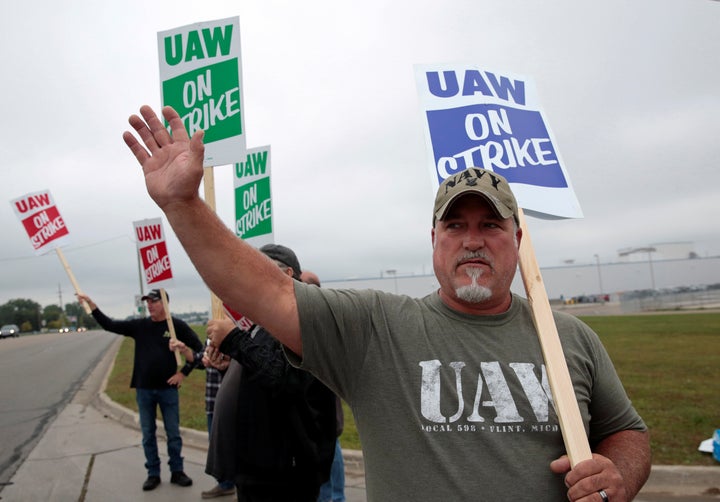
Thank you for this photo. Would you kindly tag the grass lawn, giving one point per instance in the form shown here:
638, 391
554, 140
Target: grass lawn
669, 364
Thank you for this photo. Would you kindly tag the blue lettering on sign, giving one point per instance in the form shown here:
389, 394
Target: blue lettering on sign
509, 141
475, 82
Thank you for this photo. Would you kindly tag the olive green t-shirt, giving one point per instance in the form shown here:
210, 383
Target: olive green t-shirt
451, 406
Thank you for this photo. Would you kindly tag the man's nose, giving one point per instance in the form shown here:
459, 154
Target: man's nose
473, 240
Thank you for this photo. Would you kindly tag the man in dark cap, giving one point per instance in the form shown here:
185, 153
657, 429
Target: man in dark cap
156, 380
273, 428
284, 257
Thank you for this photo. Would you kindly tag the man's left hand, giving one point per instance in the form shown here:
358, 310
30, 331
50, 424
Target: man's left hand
218, 329
588, 478
176, 380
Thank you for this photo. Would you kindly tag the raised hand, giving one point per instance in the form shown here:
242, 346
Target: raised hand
172, 164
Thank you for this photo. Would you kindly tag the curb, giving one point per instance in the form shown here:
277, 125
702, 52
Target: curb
682, 480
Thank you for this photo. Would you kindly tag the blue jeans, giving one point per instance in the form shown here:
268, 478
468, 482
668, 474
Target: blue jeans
333, 490
148, 401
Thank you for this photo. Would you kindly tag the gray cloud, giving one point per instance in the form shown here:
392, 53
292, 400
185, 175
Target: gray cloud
629, 88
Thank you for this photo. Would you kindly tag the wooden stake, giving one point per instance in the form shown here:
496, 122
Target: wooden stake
566, 406
171, 326
216, 307
72, 278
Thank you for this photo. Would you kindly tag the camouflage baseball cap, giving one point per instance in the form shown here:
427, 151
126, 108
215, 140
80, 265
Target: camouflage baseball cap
475, 180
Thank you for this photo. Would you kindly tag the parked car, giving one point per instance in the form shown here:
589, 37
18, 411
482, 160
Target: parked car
9, 330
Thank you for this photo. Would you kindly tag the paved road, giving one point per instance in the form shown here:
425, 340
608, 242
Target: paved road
39, 375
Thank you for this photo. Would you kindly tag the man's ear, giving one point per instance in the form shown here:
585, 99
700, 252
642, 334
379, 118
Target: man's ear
432, 236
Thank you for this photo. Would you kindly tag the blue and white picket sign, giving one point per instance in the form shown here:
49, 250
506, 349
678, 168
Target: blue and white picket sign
481, 118
475, 117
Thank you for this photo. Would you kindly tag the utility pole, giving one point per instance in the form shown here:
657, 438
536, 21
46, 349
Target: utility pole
597, 260
62, 309
393, 272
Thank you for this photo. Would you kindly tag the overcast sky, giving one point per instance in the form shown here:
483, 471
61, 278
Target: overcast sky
630, 90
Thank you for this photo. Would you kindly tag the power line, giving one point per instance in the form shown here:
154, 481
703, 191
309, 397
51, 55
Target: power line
69, 249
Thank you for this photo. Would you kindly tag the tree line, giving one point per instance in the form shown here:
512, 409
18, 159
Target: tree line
30, 316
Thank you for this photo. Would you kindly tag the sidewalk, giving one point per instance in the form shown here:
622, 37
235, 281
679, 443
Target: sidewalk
93, 452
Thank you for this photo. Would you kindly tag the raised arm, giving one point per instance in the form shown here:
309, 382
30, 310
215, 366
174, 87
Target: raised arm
237, 273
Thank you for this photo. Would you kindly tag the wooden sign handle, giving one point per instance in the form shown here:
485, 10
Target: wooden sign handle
171, 326
566, 406
216, 308
66, 266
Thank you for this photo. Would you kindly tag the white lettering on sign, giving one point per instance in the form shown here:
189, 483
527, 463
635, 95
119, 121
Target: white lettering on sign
196, 91
495, 122
41, 219
47, 231
152, 254
530, 152
252, 218
157, 269
250, 197
212, 111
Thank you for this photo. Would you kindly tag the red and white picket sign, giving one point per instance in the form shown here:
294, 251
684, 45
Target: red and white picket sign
155, 262
42, 221
46, 228
153, 251
241, 321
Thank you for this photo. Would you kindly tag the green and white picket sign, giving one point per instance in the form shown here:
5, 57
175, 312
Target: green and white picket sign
253, 200
201, 78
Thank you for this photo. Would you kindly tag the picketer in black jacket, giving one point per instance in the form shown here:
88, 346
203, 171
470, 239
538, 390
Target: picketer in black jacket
274, 425
155, 379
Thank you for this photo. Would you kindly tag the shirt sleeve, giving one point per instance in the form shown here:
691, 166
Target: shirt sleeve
337, 328
263, 361
125, 328
188, 336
